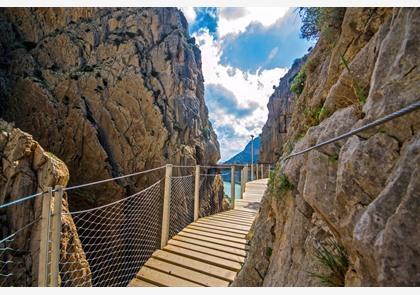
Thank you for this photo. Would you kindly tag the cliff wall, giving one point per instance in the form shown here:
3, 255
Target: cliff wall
354, 203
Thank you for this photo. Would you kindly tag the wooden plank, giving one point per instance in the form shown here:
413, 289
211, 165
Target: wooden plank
140, 283
213, 240
216, 236
236, 217
229, 234
185, 273
209, 259
207, 250
163, 279
224, 224
230, 220
237, 213
211, 245
218, 228
199, 266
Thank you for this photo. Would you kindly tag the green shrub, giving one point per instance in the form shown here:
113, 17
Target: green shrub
318, 21
278, 183
335, 259
298, 82
206, 133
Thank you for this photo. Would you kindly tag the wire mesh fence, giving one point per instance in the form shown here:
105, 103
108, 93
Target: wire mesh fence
182, 203
112, 241
16, 256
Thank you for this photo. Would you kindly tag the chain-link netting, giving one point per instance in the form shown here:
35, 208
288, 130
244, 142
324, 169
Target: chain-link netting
211, 190
15, 256
182, 203
112, 241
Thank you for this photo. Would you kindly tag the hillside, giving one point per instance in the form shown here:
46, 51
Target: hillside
244, 157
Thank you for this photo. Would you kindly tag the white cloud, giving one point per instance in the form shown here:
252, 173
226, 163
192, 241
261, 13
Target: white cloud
235, 20
249, 89
189, 14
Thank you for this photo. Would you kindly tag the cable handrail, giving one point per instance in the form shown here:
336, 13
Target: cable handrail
408, 109
17, 201
110, 179
115, 202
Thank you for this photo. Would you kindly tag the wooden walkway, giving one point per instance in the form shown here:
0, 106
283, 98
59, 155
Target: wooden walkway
209, 252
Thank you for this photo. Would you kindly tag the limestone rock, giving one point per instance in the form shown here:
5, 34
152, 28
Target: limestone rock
362, 191
110, 91
26, 169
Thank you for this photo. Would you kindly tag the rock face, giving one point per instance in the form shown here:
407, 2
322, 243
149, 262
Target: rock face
109, 91
280, 106
362, 192
26, 169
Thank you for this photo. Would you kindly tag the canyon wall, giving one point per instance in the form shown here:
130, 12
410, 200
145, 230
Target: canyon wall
356, 201
280, 106
110, 91
25, 169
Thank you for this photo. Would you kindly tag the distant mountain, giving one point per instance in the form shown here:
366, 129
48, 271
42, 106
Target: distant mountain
244, 157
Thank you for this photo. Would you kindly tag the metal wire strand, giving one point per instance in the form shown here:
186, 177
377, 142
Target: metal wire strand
389, 117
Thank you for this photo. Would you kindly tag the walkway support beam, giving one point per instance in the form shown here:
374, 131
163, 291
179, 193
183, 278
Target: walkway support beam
56, 236
232, 186
166, 206
197, 192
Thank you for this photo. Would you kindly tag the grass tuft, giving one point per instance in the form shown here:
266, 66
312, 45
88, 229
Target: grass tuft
335, 259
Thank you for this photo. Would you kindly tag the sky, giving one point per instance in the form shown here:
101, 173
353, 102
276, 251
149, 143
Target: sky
245, 51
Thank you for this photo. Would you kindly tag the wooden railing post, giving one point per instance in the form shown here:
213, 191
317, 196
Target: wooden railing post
246, 175
262, 170
44, 239
252, 171
256, 170
232, 185
166, 206
197, 192
56, 236
242, 182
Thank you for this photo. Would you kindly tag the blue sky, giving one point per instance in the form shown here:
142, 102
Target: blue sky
245, 51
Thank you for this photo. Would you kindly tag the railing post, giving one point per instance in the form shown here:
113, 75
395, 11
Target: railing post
246, 175
197, 192
256, 170
252, 171
166, 206
242, 182
262, 170
232, 185
44, 238
56, 236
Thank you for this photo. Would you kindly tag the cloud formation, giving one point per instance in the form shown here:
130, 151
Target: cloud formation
220, 98
243, 56
265, 47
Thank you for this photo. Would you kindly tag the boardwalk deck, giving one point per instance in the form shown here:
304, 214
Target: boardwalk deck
209, 252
